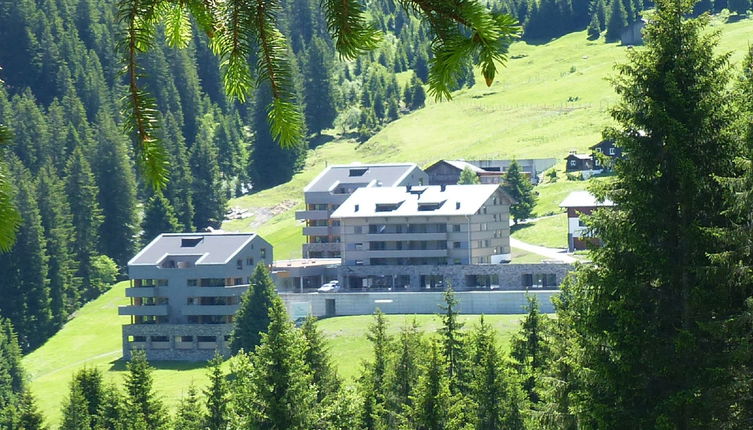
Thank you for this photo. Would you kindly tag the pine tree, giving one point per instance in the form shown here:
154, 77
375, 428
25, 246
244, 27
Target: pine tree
112, 170
617, 21
82, 194
253, 316
653, 294
468, 177
89, 383
208, 199
418, 95
141, 401
188, 415
453, 342
217, 397
520, 190
29, 415
432, 400
373, 375
594, 27
318, 91
75, 411
111, 410
158, 218
421, 66
12, 378
530, 348
178, 190
741, 7
601, 12
402, 373
317, 358
284, 398
58, 230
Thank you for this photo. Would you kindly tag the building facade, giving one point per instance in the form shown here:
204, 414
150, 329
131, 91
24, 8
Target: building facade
447, 172
185, 290
423, 237
578, 204
332, 187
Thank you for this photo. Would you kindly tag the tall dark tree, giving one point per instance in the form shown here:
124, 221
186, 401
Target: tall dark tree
159, 218
179, 189
188, 415
112, 169
208, 199
82, 194
520, 189
318, 89
453, 341
372, 378
617, 20
317, 358
431, 401
29, 415
142, 404
75, 413
530, 348
647, 313
252, 318
217, 397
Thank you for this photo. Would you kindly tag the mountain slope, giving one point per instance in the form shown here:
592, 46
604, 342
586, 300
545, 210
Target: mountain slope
551, 98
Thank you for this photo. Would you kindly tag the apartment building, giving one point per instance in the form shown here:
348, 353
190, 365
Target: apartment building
185, 290
332, 187
406, 237
579, 203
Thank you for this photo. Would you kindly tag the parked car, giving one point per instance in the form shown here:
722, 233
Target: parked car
329, 287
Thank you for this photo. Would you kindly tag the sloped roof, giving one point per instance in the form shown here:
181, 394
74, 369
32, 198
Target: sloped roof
583, 199
388, 175
211, 248
429, 200
579, 156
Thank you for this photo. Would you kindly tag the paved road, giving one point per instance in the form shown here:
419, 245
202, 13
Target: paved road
551, 253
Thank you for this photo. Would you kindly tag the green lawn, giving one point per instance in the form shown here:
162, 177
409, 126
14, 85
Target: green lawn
550, 232
93, 339
525, 113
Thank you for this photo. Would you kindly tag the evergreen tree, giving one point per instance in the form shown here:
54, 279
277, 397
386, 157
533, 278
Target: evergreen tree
372, 378
318, 91
188, 415
468, 177
29, 415
12, 381
178, 190
217, 397
617, 21
418, 95
317, 358
432, 399
89, 383
530, 348
421, 66
158, 218
594, 27
453, 342
58, 230
75, 411
602, 13
111, 414
520, 190
141, 401
402, 373
8, 211
253, 316
741, 7
112, 170
87, 216
208, 198
653, 295
283, 397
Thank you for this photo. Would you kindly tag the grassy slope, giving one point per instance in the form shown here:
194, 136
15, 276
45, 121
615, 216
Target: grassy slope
525, 113
93, 339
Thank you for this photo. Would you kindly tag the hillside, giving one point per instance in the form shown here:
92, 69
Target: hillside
93, 339
525, 113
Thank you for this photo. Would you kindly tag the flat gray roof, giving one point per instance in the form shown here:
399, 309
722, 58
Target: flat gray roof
583, 199
429, 200
211, 248
388, 174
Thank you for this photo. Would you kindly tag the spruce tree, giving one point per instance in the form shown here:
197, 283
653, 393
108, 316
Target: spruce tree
468, 177
520, 190
530, 348
284, 398
8, 210
253, 316
453, 342
647, 311
112, 170
12, 378
158, 218
142, 404
178, 190
89, 383
317, 358
318, 91
75, 410
29, 415
208, 199
741, 7
111, 410
373, 414
216, 397
617, 21
402, 373
82, 194
188, 415
431, 401
594, 27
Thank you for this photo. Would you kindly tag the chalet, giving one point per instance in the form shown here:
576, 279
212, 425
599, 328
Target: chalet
578, 162
579, 203
609, 149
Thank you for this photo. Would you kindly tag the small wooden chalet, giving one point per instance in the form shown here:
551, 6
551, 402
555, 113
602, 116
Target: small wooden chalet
578, 162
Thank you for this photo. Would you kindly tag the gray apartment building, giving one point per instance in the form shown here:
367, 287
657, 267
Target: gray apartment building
424, 237
332, 187
185, 289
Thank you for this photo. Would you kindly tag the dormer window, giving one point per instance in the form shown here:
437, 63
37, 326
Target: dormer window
387, 207
357, 172
190, 242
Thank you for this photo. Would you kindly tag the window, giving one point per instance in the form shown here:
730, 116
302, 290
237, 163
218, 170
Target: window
572, 163
239, 264
487, 243
480, 243
456, 227
581, 223
494, 201
238, 281
250, 261
456, 245
456, 261
611, 151
357, 172
207, 338
527, 280
358, 229
186, 338
192, 282
263, 252
161, 282
160, 339
598, 149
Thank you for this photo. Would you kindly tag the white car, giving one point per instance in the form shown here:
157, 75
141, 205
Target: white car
329, 287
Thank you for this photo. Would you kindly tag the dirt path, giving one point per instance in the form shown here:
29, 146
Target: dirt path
551, 253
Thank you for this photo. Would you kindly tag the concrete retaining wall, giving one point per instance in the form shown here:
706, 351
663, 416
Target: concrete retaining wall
471, 302
172, 349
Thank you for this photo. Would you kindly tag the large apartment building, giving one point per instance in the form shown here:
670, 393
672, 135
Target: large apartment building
185, 290
399, 237
332, 187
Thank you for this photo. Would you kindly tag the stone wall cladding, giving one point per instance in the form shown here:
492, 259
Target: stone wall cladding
173, 330
470, 302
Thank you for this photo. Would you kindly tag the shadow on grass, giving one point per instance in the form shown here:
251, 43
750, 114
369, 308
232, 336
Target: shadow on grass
320, 140
119, 365
518, 227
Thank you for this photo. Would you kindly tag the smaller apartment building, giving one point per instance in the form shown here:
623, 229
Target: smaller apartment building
332, 187
578, 204
423, 237
185, 290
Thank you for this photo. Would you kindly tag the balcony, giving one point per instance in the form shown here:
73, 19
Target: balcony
190, 310
141, 292
321, 230
311, 214
394, 253
400, 236
143, 310
229, 291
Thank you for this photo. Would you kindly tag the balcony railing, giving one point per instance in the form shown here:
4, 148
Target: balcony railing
143, 310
